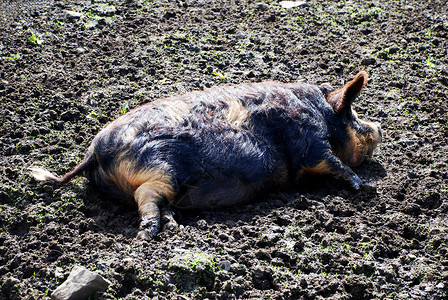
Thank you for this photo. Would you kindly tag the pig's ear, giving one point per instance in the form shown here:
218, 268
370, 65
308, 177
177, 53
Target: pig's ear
342, 99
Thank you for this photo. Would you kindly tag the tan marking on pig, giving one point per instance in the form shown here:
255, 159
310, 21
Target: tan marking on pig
357, 149
131, 132
149, 195
128, 178
175, 109
236, 114
320, 169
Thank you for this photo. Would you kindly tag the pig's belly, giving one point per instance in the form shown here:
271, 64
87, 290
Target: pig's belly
218, 192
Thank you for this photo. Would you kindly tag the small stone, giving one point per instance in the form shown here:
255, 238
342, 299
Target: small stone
3, 84
80, 284
81, 50
292, 4
104, 10
224, 265
59, 272
91, 24
412, 256
240, 35
72, 15
368, 61
262, 6
429, 288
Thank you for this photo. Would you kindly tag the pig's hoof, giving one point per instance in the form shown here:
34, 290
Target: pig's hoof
170, 226
149, 228
355, 183
168, 219
144, 235
367, 187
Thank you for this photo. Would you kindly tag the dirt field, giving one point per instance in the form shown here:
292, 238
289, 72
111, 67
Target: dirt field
63, 76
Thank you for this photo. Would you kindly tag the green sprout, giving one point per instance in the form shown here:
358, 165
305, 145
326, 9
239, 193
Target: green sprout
93, 115
125, 107
221, 76
35, 39
15, 57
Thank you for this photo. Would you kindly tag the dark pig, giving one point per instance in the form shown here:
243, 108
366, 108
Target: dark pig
225, 146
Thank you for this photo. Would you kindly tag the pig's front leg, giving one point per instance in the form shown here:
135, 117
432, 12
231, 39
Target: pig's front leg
331, 164
340, 170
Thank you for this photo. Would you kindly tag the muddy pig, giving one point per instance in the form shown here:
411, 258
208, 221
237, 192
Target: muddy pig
225, 146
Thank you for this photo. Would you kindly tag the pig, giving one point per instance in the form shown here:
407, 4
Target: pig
225, 146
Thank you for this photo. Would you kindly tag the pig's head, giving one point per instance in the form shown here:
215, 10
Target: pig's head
352, 139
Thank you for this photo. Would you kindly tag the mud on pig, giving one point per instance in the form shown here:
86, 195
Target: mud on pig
226, 145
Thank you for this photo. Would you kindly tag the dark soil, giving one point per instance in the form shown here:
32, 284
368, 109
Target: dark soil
62, 79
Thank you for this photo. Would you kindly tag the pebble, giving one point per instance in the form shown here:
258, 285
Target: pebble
4, 84
202, 224
72, 15
105, 10
262, 6
292, 4
59, 272
368, 61
224, 265
240, 35
81, 50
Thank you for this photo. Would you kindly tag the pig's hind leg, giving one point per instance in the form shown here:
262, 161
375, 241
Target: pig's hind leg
149, 197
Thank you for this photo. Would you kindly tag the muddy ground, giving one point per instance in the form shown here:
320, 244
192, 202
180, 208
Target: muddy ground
63, 76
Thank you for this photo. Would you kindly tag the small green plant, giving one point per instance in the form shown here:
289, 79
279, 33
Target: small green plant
430, 63
125, 107
93, 115
193, 269
15, 57
34, 39
221, 76
444, 188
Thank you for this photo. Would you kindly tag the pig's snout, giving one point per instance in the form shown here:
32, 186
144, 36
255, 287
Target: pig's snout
376, 136
361, 143
377, 133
